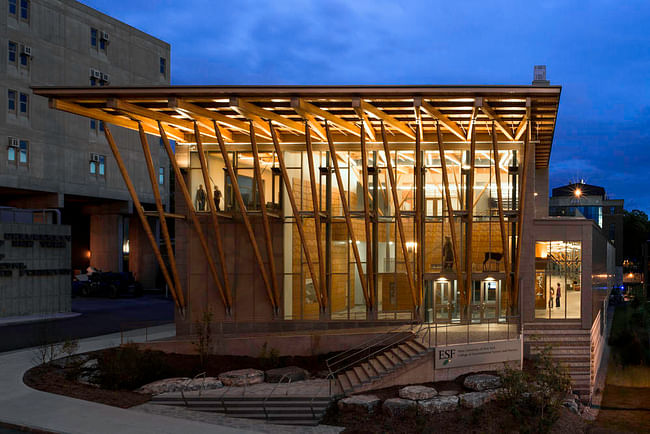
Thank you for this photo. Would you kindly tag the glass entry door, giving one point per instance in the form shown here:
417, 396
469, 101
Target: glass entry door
485, 299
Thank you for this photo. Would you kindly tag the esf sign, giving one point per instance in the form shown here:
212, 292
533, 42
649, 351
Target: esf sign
454, 356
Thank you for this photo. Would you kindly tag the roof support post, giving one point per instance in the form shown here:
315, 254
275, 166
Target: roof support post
419, 192
265, 218
470, 221
317, 217
161, 212
180, 305
502, 222
226, 296
400, 226
348, 219
366, 218
296, 214
247, 223
450, 213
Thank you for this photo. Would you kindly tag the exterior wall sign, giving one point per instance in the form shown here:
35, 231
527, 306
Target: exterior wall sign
454, 356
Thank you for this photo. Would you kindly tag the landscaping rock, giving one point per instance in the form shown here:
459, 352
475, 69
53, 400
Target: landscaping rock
476, 399
162, 386
480, 382
572, 405
290, 373
417, 393
360, 403
90, 365
438, 404
398, 406
448, 393
242, 377
207, 383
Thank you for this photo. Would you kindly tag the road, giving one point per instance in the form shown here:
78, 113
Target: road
99, 316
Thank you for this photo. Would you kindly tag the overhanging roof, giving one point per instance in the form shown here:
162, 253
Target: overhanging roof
401, 108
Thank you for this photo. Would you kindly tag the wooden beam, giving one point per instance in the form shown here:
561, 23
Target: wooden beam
205, 123
143, 219
296, 213
348, 219
472, 120
398, 125
444, 120
301, 104
225, 293
195, 110
495, 117
255, 113
151, 170
419, 196
502, 221
417, 113
398, 219
169, 215
180, 179
265, 218
470, 222
368, 129
124, 106
317, 218
524, 122
311, 120
366, 216
247, 223
150, 126
450, 212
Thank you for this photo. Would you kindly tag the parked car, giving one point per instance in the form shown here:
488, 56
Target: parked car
108, 284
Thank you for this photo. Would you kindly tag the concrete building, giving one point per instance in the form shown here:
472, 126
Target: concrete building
362, 216
59, 161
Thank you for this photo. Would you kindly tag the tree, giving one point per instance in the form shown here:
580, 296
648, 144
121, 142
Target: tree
636, 231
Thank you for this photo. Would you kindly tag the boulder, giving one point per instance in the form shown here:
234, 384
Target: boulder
398, 406
207, 383
480, 382
90, 364
572, 405
476, 399
448, 393
242, 377
360, 403
162, 386
417, 393
438, 404
290, 373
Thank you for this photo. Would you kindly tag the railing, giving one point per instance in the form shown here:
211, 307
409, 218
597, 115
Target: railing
190, 381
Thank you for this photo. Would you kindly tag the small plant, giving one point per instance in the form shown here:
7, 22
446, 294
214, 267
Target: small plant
128, 367
269, 357
203, 341
534, 398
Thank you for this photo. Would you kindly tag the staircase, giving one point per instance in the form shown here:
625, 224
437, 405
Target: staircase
284, 410
571, 346
359, 368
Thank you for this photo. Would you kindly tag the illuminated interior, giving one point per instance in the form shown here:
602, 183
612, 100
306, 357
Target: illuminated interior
558, 263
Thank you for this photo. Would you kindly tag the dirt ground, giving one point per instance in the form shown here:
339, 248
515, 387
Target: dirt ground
624, 409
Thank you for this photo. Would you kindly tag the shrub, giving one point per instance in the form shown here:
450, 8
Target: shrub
204, 337
128, 367
269, 357
534, 397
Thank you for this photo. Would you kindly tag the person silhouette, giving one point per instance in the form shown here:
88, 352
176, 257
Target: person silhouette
558, 295
217, 198
199, 198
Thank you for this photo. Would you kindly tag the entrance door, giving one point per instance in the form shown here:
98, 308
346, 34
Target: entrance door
444, 300
490, 299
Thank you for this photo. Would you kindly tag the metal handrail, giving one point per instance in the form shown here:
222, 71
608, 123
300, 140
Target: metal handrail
266, 414
188, 381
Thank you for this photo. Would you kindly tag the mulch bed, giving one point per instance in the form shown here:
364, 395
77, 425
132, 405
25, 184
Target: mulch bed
50, 378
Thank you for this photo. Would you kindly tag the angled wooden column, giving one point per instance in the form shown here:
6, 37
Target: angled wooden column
502, 221
317, 220
161, 212
249, 228
226, 295
450, 212
521, 214
366, 215
470, 221
296, 214
419, 233
265, 218
143, 219
398, 219
348, 219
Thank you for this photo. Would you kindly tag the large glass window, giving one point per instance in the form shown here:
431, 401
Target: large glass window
12, 50
558, 279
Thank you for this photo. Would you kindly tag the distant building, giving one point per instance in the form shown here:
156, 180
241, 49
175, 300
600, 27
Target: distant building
56, 160
591, 201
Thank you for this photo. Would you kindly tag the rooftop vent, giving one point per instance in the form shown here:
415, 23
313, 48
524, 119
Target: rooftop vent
539, 76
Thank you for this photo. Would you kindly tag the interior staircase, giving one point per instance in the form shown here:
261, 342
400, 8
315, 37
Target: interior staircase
284, 410
570, 345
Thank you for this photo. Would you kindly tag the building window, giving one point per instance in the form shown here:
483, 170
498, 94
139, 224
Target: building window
24, 58
558, 279
93, 37
161, 176
13, 49
93, 124
23, 152
612, 232
24, 10
612, 210
12, 149
13, 8
18, 151
163, 66
102, 44
97, 164
97, 125
11, 101
24, 103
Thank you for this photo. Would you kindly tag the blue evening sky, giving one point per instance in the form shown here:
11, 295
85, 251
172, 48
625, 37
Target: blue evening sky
598, 50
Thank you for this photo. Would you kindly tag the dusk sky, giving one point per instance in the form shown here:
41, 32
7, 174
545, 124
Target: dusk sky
599, 51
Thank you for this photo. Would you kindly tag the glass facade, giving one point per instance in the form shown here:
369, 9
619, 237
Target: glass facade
558, 279
443, 294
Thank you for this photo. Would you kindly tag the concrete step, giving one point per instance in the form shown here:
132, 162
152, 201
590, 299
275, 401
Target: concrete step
369, 371
416, 346
386, 361
410, 352
394, 360
581, 332
346, 386
378, 367
361, 375
550, 324
352, 378
401, 355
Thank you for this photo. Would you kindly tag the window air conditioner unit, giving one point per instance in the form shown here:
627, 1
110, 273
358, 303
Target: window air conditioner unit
94, 157
13, 142
27, 50
105, 36
106, 78
95, 73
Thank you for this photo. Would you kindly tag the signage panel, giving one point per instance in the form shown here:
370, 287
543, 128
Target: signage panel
454, 356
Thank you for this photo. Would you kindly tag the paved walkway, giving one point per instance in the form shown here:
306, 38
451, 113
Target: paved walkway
21, 405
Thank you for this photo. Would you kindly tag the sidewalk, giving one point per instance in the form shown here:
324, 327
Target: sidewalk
23, 406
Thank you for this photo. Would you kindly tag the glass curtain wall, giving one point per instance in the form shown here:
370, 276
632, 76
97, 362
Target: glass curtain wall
558, 278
